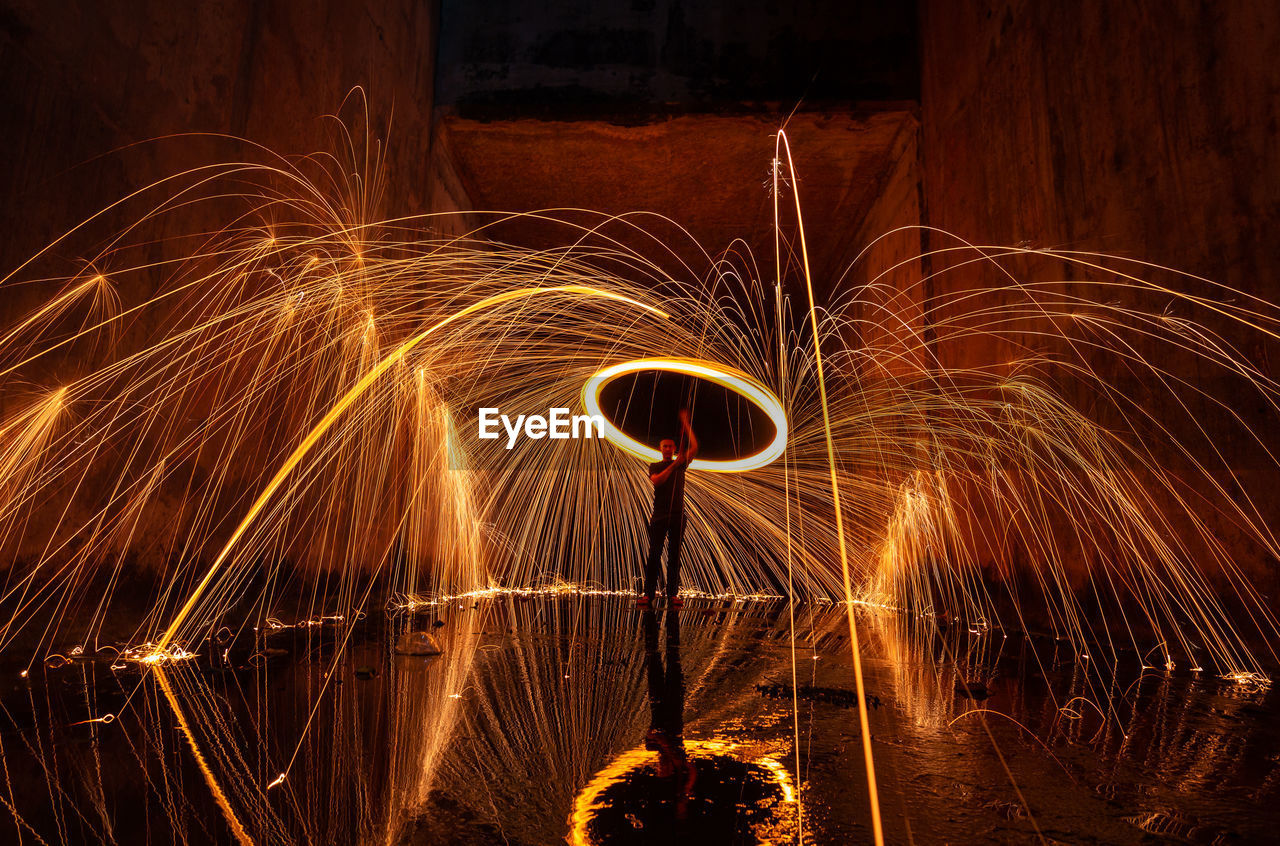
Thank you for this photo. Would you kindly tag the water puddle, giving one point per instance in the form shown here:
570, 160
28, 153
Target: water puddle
582, 719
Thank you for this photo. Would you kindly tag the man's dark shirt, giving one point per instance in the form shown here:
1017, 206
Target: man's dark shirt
668, 497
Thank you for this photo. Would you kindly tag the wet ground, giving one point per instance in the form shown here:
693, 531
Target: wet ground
584, 718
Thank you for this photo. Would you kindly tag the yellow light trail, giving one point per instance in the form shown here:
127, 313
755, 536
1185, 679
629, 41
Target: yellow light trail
877, 827
219, 796
354, 393
588, 801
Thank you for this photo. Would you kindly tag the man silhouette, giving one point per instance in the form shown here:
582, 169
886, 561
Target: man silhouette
667, 523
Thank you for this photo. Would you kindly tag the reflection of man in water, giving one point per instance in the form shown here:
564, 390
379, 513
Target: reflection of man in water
666, 703
667, 522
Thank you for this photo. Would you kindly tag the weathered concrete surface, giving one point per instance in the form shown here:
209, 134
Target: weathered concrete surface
81, 80
708, 174
886, 277
1143, 129
1147, 130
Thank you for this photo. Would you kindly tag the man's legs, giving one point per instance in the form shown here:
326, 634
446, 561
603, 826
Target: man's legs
675, 534
658, 529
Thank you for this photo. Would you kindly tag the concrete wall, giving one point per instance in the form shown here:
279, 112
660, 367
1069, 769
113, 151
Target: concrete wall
887, 270
708, 173
80, 81
1142, 129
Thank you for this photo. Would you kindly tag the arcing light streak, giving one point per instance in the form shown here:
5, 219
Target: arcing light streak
354, 393
877, 828
244, 358
719, 374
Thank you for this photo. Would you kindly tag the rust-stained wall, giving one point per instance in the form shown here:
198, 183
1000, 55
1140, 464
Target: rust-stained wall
886, 274
81, 80
1147, 130
708, 174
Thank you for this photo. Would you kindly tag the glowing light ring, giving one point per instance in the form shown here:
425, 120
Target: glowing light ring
726, 377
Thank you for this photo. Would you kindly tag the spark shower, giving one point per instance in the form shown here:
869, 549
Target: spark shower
273, 419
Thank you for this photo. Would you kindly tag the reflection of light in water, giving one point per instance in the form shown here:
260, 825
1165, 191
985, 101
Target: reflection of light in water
527, 724
424, 712
518, 723
614, 789
566, 589
387, 786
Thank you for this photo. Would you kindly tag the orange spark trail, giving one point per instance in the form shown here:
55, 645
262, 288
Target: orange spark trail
345, 402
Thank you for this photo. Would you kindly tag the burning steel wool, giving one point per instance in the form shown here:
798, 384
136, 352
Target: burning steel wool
276, 419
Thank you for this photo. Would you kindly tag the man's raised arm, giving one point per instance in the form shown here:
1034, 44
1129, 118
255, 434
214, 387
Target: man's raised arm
688, 433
